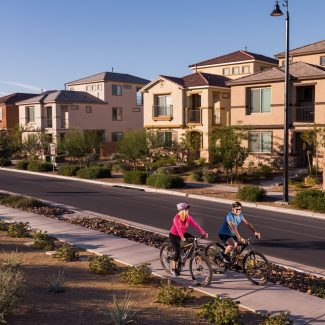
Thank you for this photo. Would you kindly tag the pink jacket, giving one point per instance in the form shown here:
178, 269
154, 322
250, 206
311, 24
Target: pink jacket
179, 227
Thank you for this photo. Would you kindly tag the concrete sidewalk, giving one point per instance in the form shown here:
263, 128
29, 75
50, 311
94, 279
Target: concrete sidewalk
305, 309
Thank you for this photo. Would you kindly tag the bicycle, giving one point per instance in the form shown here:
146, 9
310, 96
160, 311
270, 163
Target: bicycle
246, 259
199, 265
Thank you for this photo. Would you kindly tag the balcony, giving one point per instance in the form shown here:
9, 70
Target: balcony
193, 116
303, 114
162, 112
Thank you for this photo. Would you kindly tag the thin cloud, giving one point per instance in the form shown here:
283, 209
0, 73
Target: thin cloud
21, 85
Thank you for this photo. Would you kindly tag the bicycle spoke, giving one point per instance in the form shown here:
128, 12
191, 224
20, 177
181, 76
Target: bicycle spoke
200, 269
214, 254
166, 252
256, 267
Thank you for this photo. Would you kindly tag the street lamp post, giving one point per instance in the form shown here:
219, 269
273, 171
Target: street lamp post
275, 13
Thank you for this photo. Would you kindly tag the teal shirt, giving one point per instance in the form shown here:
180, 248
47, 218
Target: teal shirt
230, 217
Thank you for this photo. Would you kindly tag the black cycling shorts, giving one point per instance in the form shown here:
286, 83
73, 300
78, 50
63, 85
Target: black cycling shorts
225, 237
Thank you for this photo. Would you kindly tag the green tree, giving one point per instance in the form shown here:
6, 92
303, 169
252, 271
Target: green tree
82, 144
37, 144
8, 147
226, 148
135, 146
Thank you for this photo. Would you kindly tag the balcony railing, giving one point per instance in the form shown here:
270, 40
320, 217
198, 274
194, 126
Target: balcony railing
162, 111
303, 114
193, 116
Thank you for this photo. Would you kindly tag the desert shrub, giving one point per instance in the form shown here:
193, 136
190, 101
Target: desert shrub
11, 288
5, 162
19, 202
311, 199
22, 164
318, 289
119, 314
38, 166
279, 319
265, 171
139, 274
94, 172
12, 260
310, 180
251, 193
43, 241
67, 253
102, 264
171, 295
19, 229
165, 181
56, 282
135, 177
3, 225
69, 170
210, 176
220, 311
197, 175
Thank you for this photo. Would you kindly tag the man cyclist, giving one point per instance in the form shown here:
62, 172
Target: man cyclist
229, 230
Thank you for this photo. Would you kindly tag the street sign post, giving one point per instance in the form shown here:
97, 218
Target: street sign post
53, 154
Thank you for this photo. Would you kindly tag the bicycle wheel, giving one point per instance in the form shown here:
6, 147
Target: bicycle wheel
256, 267
213, 252
166, 252
200, 269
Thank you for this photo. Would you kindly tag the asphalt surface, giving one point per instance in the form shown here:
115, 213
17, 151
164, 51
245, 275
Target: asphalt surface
291, 237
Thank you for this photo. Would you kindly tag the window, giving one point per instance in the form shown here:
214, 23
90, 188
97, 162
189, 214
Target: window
322, 60
116, 90
225, 71
306, 94
260, 100
87, 88
262, 68
127, 86
163, 105
235, 70
74, 107
71, 88
99, 87
93, 87
165, 138
88, 109
139, 97
245, 69
117, 114
136, 109
260, 142
64, 116
48, 116
116, 136
0, 113
30, 114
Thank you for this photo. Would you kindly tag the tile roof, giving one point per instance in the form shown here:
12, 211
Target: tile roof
110, 76
15, 97
297, 70
199, 79
63, 96
237, 56
307, 49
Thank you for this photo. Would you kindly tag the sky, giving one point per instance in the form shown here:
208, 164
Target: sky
47, 43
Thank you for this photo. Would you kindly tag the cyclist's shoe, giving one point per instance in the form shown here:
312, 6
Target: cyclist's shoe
225, 258
237, 267
174, 272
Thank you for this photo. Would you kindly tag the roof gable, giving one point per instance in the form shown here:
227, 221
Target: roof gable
306, 49
15, 97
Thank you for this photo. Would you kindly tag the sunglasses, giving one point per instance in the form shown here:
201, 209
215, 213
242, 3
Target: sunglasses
237, 209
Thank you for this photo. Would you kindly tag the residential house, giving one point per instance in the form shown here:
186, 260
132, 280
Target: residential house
9, 111
312, 53
193, 105
257, 101
235, 65
122, 96
57, 112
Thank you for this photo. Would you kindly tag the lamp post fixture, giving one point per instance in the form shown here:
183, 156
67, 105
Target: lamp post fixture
275, 13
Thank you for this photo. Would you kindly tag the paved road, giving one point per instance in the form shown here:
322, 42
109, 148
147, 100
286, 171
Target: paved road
295, 238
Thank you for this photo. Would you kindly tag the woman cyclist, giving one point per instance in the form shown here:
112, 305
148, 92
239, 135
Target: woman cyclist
228, 231
178, 232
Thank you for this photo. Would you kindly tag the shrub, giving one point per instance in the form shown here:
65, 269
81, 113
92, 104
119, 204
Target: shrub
38, 166
210, 176
279, 319
102, 264
318, 289
135, 177
56, 282
3, 225
11, 287
251, 193
12, 260
5, 162
139, 274
265, 171
94, 172
120, 314
165, 181
43, 241
66, 253
19, 229
20, 202
197, 175
22, 164
310, 180
171, 295
311, 199
69, 170
220, 311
